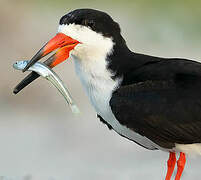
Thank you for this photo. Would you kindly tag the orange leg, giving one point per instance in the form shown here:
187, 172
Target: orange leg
171, 164
180, 165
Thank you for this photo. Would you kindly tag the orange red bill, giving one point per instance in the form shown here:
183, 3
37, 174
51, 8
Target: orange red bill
63, 43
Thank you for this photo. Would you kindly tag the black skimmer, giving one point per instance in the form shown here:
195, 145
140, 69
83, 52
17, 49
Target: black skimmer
153, 101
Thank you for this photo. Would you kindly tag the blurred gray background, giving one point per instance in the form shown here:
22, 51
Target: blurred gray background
39, 136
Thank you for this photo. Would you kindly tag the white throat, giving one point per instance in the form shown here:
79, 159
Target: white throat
97, 82
91, 65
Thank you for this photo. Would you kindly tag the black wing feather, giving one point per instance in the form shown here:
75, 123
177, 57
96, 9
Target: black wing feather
163, 102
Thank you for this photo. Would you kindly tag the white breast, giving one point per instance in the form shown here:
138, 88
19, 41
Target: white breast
99, 85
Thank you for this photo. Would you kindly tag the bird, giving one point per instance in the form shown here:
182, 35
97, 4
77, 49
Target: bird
152, 101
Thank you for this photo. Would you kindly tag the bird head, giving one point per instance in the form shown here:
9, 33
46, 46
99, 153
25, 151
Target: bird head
85, 33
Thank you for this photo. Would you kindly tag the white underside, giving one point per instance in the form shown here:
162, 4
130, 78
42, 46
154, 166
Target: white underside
189, 149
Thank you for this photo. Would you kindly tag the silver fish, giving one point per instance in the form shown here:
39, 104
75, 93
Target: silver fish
47, 73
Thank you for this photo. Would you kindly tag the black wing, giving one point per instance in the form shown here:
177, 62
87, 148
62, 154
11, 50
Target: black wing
166, 108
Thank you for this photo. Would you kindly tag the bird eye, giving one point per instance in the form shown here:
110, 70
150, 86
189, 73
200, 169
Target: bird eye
87, 22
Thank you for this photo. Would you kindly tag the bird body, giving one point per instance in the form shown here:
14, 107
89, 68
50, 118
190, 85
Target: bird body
104, 74
153, 101
101, 89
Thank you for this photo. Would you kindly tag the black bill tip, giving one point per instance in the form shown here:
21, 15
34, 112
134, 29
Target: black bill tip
27, 80
32, 76
15, 90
